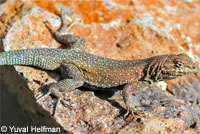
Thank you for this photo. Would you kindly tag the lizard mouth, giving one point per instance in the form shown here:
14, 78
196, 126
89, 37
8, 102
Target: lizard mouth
182, 71
171, 74
185, 71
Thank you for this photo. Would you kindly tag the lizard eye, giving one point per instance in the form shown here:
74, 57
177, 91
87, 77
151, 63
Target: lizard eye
179, 65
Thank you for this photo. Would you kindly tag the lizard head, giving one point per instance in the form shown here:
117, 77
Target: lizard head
177, 65
170, 66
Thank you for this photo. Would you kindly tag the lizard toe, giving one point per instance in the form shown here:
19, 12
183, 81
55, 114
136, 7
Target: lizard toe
43, 98
136, 112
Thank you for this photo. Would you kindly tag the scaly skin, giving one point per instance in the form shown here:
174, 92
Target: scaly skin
79, 68
103, 72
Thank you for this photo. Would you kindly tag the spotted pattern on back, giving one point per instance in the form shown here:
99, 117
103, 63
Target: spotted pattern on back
104, 72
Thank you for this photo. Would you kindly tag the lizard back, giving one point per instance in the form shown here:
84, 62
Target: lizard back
104, 72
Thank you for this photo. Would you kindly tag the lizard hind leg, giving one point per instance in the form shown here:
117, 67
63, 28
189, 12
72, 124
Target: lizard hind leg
58, 87
76, 43
74, 80
61, 86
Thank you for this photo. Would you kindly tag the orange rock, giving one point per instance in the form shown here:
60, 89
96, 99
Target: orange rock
119, 30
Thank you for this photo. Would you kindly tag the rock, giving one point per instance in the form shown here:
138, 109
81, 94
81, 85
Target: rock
113, 29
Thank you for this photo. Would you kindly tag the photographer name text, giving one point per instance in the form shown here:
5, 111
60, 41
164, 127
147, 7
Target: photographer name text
40, 129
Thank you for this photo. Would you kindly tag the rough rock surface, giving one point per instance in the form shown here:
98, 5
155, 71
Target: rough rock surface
119, 30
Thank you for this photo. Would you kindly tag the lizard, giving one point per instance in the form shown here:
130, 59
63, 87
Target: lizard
79, 68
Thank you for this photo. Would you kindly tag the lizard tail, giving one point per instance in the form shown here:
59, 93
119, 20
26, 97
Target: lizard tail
42, 58
17, 57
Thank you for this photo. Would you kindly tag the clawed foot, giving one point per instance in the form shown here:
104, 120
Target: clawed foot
64, 103
60, 100
135, 112
46, 23
43, 98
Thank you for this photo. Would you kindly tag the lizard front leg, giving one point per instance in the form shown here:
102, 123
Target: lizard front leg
72, 79
128, 91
